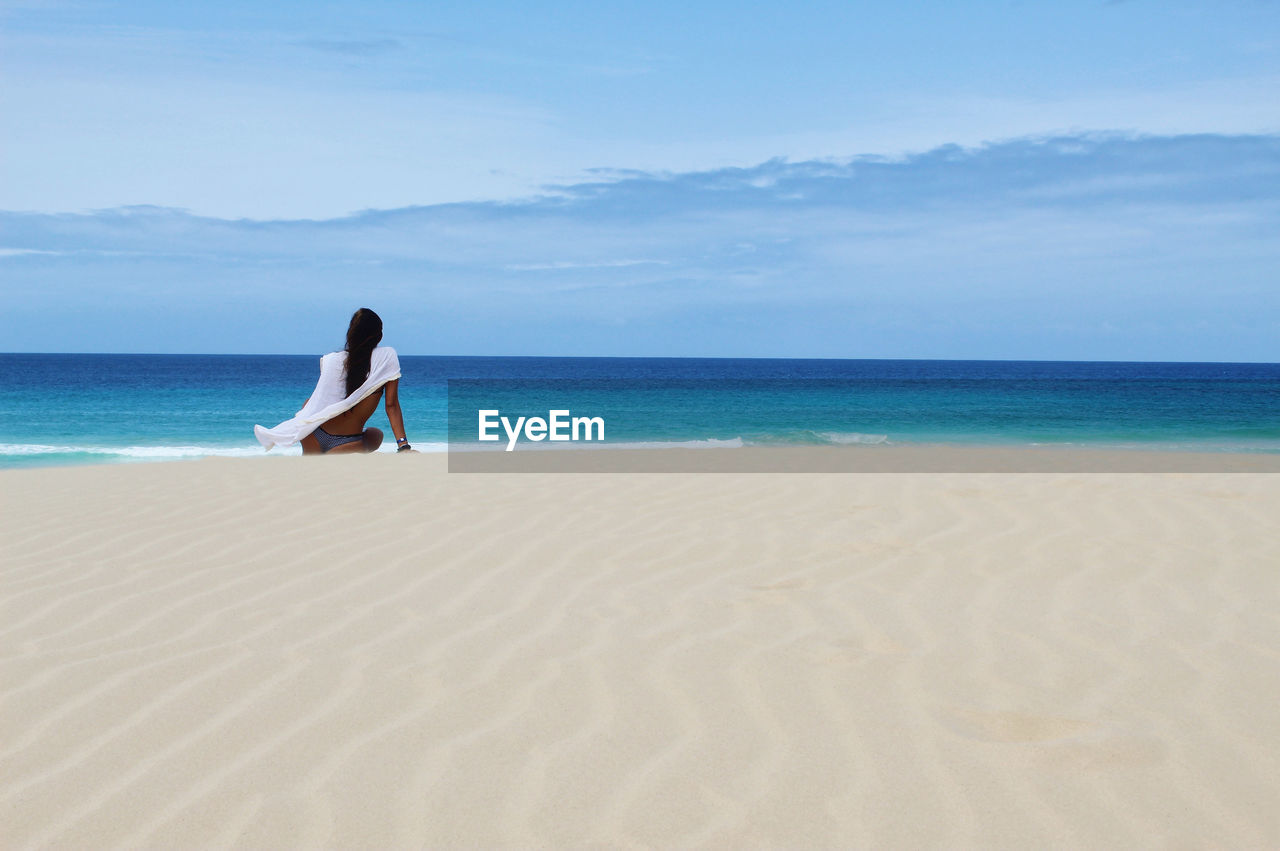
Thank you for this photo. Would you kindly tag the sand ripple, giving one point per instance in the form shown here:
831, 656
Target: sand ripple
368, 652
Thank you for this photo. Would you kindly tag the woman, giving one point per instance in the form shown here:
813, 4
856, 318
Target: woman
351, 381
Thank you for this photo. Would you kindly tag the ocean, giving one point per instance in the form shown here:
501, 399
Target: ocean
95, 408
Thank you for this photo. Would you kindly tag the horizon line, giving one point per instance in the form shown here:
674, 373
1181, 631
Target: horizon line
657, 357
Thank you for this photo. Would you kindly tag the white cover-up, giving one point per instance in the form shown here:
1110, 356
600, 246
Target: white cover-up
330, 396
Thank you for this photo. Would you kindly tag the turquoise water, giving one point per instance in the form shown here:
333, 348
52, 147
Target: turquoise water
72, 408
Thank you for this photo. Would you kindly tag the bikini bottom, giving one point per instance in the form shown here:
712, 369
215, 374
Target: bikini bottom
329, 441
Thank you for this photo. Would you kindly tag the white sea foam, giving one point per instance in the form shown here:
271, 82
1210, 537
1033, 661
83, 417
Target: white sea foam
819, 438
849, 438
709, 443
160, 453
199, 451
130, 451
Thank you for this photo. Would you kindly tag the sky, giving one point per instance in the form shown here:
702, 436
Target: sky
1069, 180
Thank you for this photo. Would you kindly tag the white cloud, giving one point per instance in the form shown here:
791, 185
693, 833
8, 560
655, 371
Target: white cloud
560, 265
901, 124
955, 252
20, 252
252, 125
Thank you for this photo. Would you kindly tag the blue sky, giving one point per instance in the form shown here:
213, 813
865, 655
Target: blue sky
1087, 180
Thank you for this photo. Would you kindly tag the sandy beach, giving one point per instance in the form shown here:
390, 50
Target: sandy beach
372, 652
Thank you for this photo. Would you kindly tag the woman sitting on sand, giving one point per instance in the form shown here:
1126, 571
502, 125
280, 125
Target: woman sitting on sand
346, 395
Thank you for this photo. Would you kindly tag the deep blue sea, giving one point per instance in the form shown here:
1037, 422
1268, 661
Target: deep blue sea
80, 408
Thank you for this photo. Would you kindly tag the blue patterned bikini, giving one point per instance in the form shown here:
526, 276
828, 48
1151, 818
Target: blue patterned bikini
329, 441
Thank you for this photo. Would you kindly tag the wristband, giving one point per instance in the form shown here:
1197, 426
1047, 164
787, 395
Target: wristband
402, 440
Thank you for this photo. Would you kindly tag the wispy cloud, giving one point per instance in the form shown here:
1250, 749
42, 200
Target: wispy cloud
24, 252
561, 265
1038, 247
352, 46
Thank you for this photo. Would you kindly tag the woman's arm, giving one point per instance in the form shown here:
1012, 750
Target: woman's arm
391, 400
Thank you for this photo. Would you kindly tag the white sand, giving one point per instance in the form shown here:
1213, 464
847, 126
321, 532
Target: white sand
360, 652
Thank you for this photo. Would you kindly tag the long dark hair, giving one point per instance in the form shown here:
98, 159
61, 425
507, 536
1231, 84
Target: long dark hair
364, 332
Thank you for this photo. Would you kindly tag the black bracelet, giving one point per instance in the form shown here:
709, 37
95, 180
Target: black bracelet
403, 448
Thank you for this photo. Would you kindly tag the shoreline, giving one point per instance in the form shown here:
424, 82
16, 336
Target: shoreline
863, 459
871, 458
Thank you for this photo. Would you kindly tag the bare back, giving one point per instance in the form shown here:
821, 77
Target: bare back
353, 419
